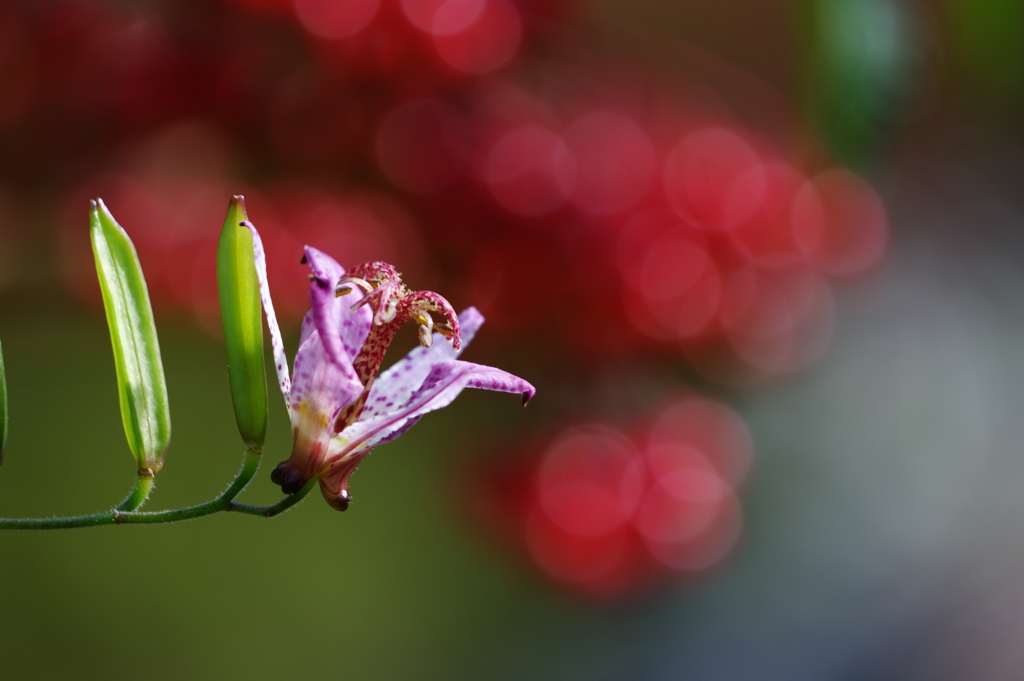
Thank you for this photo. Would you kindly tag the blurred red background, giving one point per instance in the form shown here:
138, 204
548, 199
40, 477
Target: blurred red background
683, 226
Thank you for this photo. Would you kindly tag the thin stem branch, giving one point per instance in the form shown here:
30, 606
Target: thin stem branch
137, 497
275, 509
126, 514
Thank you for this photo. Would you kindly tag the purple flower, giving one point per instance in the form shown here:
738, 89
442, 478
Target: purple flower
340, 404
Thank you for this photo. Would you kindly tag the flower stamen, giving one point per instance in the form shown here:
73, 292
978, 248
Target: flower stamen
388, 307
366, 300
426, 328
350, 284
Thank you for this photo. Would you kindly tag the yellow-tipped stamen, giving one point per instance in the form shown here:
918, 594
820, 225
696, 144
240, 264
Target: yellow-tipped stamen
426, 328
349, 284
388, 313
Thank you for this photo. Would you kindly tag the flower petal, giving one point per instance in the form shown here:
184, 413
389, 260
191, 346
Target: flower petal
443, 383
321, 389
334, 485
425, 380
325, 306
397, 384
308, 327
325, 384
280, 360
342, 330
355, 327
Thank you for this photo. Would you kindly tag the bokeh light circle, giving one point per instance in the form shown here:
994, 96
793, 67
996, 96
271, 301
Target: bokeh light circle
590, 481
485, 44
685, 497
615, 160
840, 222
336, 19
442, 17
767, 239
714, 178
530, 171
709, 427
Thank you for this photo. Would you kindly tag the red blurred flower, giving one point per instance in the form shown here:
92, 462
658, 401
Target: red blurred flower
608, 514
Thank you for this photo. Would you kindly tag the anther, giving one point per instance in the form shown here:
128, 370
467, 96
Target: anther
426, 328
349, 284
388, 314
426, 337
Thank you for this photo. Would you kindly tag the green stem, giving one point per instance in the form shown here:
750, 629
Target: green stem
125, 513
137, 497
279, 507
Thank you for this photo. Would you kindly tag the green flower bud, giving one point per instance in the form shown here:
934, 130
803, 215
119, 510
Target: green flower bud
140, 373
239, 290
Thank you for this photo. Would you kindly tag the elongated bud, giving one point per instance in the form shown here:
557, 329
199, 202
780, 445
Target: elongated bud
140, 373
239, 290
3, 406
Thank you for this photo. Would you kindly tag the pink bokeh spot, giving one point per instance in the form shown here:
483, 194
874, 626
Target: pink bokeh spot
684, 499
484, 45
767, 238
442, 17
709, 427
688, 315
704, 551
672, 266
840, 222
608, 512
336, 19
616, 162
590, 563
755, 305
590, 481
714, 178
530, 171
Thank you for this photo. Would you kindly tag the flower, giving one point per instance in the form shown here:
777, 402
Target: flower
340, 404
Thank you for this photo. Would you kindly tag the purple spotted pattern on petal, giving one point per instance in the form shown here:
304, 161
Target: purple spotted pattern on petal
320, 389
354, 326
399, 381
308, 327
443, 383
338, 405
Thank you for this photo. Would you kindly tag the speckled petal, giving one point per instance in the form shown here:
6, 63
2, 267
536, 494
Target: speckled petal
325, 384
443, 384
280, 360
397, 384
354, 327
320, 390
308, 327
342, 330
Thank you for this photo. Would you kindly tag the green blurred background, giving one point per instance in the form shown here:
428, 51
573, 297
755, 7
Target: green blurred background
399, 592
